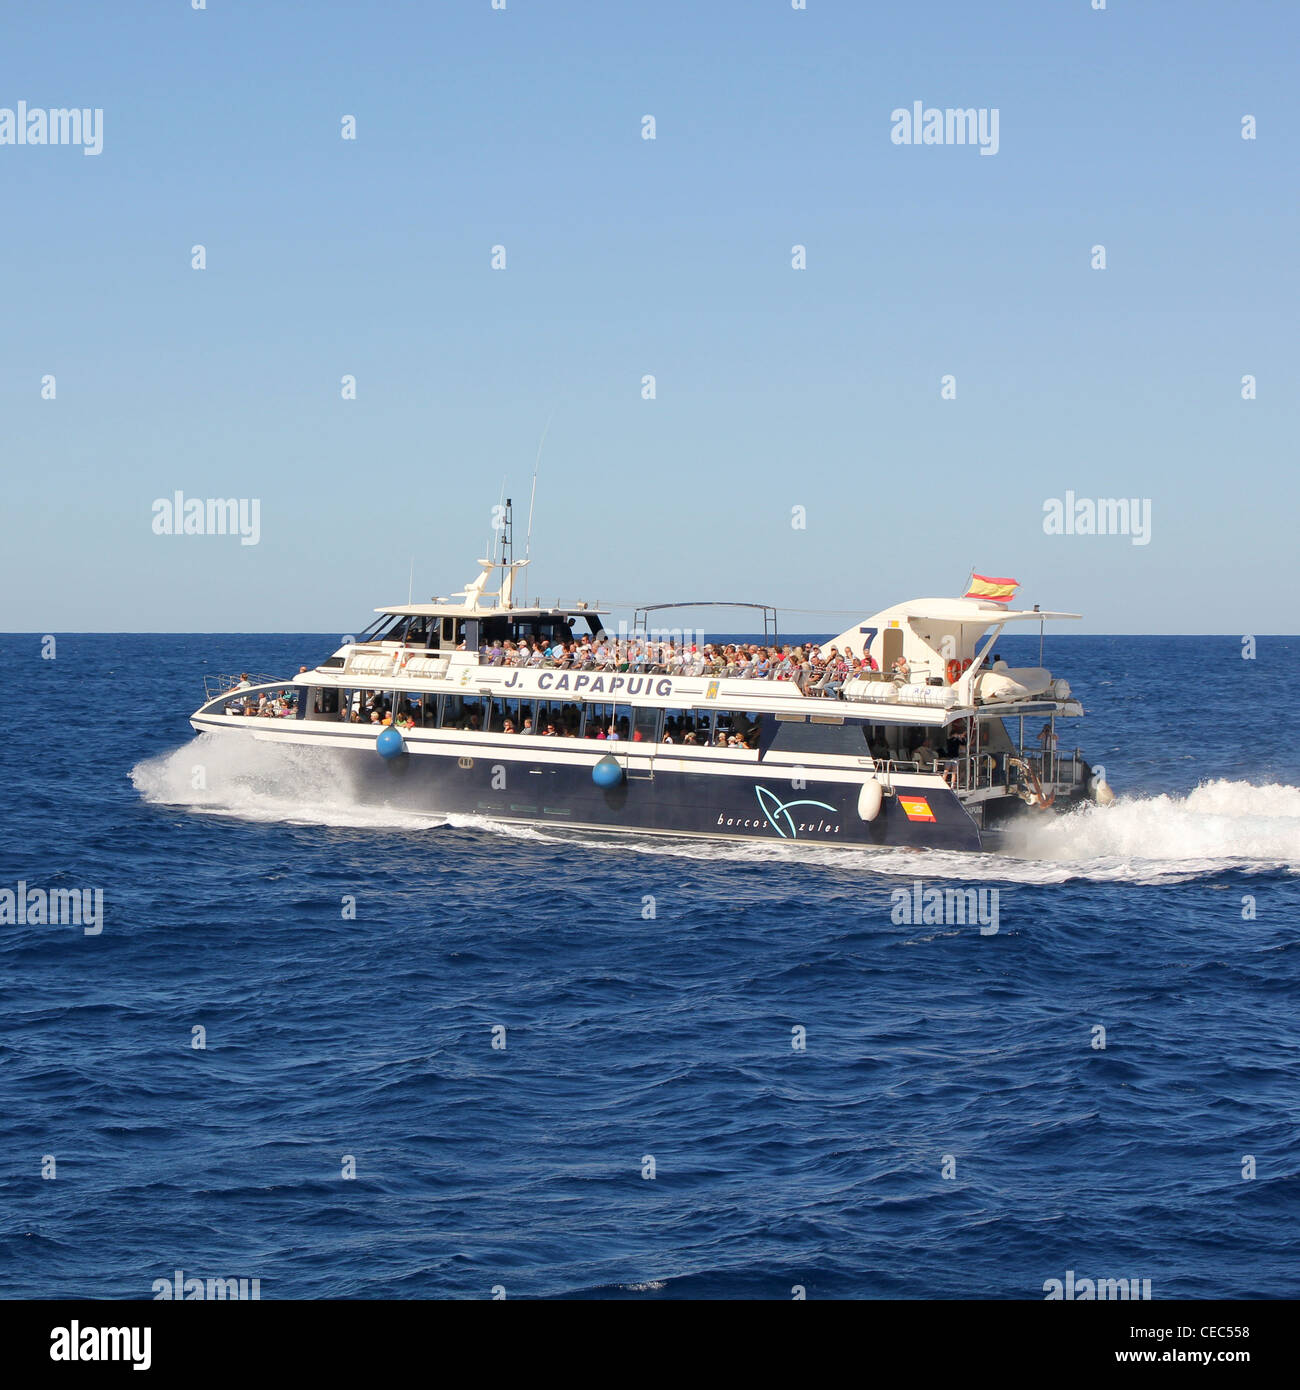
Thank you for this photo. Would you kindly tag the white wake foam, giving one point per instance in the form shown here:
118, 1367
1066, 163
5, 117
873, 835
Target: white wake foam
260, 781
1156, 839
1219, 825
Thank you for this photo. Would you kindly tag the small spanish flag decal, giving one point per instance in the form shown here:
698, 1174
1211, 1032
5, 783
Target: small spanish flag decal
995, 590
916, 807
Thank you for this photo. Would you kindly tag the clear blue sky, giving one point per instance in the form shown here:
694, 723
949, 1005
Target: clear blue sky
776, 388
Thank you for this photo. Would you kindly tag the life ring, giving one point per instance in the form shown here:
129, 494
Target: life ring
956, 669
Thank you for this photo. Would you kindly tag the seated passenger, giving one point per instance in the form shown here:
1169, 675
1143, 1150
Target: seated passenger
901, 671
923, 755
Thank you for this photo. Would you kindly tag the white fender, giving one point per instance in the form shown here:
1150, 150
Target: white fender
869, 799
1101, 792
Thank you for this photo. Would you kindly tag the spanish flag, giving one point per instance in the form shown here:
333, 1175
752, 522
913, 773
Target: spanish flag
915, 807
995, 590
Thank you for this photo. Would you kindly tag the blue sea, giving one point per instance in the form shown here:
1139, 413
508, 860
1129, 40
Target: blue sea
952, 1128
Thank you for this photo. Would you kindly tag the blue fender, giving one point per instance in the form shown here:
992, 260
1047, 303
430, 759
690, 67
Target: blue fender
607, 772
390, 744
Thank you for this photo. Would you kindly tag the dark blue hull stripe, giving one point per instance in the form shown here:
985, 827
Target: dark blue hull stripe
747, 806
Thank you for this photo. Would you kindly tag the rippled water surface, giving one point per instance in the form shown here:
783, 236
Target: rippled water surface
1169, 919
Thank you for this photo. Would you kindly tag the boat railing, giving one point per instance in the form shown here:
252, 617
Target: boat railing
213, 686
972, 772
890, 766
1056, 769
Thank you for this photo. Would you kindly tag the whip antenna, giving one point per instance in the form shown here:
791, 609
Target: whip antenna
532, 500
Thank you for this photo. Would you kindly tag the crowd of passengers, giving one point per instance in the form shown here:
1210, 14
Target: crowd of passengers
813, 669
266, 704
565, 722
687, 729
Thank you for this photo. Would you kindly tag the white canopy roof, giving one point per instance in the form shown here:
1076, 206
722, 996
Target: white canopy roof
968, 610
458, 610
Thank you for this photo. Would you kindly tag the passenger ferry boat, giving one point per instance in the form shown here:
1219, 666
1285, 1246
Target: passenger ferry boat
436, 709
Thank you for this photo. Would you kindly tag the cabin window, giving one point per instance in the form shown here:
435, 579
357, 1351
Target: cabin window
378, 628
389, 628
416, 632
735, 729
605, 720
899, 742
548, 630
521, 713
597, 717
466, 712
537, 716
369, 706
686, 726
645, 724
324, 702
558, 718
